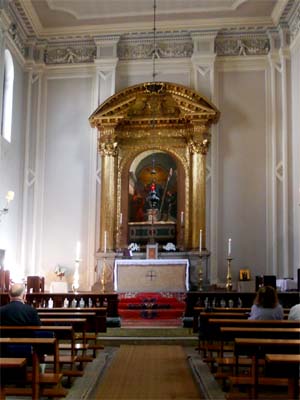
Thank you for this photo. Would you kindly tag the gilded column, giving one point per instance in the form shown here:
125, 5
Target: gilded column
198, 146
108, 150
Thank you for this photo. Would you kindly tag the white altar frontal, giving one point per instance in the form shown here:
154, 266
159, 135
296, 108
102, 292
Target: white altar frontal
151, 275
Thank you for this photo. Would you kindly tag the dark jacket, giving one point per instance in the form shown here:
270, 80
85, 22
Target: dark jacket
18, 313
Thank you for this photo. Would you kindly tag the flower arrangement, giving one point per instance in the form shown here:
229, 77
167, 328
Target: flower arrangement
60, 271
134, 247
169, 247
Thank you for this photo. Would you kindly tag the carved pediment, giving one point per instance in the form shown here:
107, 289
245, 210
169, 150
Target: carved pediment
168, 104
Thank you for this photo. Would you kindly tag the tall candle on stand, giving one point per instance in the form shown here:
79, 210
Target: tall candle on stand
229, 248
200, 241
121, 218
105, 240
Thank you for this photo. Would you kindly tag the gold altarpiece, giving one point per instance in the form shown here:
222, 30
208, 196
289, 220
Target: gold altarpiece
148, 117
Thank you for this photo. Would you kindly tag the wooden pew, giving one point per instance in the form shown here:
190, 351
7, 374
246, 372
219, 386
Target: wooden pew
292, 362
37, 378
94, 324
208, 334
258, 348
62, 334
228, 334
210, 340
9, 363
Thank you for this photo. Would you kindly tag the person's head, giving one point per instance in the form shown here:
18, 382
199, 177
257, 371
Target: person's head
17, 292
266, 297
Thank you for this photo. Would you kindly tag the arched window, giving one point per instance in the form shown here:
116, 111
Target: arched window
8, 87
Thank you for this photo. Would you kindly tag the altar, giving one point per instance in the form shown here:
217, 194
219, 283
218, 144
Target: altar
161, 275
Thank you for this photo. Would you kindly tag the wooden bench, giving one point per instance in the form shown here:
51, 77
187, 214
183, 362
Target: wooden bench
8, 363
36, 377
292, 362
256, 349
210, 341
63, 334
94, 324
228, 334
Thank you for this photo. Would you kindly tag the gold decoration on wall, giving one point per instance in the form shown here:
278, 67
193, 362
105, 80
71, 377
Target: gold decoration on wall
126, 130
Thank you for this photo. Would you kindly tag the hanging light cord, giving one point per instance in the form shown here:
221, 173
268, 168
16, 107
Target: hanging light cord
154, 41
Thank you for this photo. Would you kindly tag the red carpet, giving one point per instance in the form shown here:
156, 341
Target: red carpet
151, 309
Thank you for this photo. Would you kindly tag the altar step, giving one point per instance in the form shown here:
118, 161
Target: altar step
151, 313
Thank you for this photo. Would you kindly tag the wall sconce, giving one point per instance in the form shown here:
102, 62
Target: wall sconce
9, 197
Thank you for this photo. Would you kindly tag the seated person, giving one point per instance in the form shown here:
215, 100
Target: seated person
266, 305
16, 312
294, 312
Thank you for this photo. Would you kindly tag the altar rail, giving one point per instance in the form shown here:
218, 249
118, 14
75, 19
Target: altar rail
193, 299
40, 300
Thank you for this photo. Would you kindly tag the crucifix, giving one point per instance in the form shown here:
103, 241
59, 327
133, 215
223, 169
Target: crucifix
151, 275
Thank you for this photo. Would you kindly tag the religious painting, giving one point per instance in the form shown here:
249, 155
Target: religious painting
153, 188
152, 251
244, 274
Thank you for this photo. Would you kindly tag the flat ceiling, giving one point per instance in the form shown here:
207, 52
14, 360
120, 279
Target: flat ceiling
54, 17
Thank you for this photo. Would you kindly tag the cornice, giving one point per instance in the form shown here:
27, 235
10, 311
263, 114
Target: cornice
278, 10
233, 37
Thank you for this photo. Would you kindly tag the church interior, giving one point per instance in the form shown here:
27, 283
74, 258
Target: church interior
150, 178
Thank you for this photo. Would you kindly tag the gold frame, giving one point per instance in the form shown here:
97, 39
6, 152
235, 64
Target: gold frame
244, 274
153, 116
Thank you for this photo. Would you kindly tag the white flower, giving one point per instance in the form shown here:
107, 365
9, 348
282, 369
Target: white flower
59, 270
134, 247
169, 247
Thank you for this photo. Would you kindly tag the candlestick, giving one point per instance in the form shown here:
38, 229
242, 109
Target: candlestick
200, 241
181, 217
229, 276
77, 251
229, 247
200, 275
105, 242
121, 218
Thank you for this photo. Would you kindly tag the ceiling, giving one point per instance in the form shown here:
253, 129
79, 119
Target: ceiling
68, 17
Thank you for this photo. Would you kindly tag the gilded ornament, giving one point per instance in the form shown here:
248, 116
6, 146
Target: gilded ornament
108, 148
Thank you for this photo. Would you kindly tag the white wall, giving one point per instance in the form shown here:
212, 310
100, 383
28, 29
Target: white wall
242, 171
12, 174
295, 156
66, 177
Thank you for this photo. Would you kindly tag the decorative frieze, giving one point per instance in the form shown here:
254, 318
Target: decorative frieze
164, 49
70, 55
239, 46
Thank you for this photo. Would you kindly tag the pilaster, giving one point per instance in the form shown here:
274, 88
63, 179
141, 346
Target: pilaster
104, 86
205, 81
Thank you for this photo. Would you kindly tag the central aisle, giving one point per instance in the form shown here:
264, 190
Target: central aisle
148, 372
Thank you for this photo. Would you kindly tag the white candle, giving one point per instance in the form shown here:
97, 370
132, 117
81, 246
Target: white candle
229, 247
78, 250
105, 240
200, 241
121, 218
181, 217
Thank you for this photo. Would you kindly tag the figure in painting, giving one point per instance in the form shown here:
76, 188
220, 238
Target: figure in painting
153, 186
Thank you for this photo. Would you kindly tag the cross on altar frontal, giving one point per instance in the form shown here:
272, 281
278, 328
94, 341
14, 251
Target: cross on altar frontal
151, 275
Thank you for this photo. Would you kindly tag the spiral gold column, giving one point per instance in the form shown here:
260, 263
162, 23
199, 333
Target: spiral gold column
108, 151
